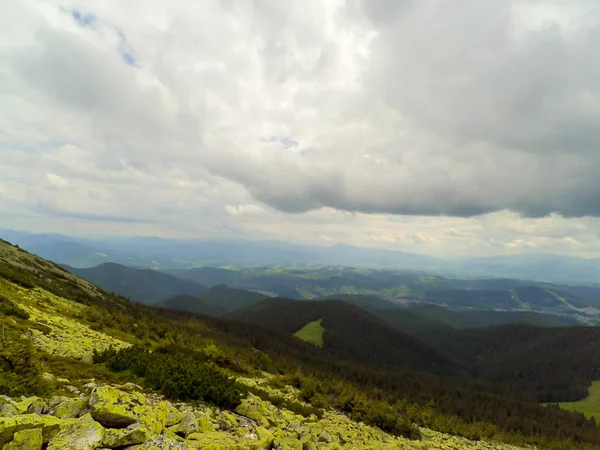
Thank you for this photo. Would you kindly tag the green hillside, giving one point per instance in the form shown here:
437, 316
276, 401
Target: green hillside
73, 351
590, 405
312, 332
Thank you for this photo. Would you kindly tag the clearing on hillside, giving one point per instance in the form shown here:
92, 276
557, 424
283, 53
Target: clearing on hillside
589, 406
312, 332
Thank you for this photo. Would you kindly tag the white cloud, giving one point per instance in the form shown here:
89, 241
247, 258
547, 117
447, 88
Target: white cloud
318, 122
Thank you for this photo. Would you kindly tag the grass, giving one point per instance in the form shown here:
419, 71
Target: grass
589, 406
312, 332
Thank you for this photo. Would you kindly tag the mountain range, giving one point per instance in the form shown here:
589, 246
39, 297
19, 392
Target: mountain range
308, 359
159, 253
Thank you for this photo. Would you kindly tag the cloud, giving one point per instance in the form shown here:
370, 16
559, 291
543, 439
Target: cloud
193, 117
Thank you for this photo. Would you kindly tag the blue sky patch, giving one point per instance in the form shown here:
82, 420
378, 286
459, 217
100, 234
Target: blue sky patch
83, 19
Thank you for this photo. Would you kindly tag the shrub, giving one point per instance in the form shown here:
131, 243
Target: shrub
177, 373
20, 370
10, 308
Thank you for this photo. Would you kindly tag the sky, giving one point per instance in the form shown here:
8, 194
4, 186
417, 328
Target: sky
469, 127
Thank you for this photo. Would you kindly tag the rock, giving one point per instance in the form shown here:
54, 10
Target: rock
32, 405
62, 380
73, 390
159, 443
130, 387
70, 408
155, 417
254, 408
213, 440
53, 402
115, 408
26, 440
79, 434
133, 434
49, 425
173, 416
7, 410
89, 387
205, 425
324, 437
8, 407
265, 437
188, 424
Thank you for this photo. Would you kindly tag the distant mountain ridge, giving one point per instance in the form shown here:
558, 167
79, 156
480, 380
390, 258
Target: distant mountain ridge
165, 254
142, 285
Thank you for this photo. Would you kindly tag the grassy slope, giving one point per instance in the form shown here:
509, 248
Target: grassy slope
81, 308
590, 406
312, 332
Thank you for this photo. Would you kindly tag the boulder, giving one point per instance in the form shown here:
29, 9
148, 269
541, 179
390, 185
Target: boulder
26, 440
188, 425
254, 408
114, 408
214, 440
173, 416
49, 425
205, 425
32, 405
324, 437
8, 407
159, 443
133, 434
70, 408
79, 434
265, 437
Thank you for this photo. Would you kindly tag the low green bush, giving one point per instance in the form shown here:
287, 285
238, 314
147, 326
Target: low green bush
177, 373
10, 308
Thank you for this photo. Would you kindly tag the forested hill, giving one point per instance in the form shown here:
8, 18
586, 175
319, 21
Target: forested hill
50, 315
352, 333
142, 285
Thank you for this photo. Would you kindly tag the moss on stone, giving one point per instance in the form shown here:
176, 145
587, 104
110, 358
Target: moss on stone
26, 440
71, 408
134, 434
80, 434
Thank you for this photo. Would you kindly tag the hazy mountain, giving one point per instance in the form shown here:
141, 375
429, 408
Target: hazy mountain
166, 254
142, 285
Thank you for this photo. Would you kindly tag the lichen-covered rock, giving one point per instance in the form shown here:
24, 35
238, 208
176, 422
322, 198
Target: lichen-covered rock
49, 425
154, 416
324, 437
205, 425
53, 402
188, 424
71, 408
26, 440
115, 408
217, 441
173, 416
8, 407
160, 443
32, 405
265, 437
89, 387
254, 408
79, 434
133, 434
8, 410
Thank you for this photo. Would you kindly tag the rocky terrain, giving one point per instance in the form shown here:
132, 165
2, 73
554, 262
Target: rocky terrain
123, 417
